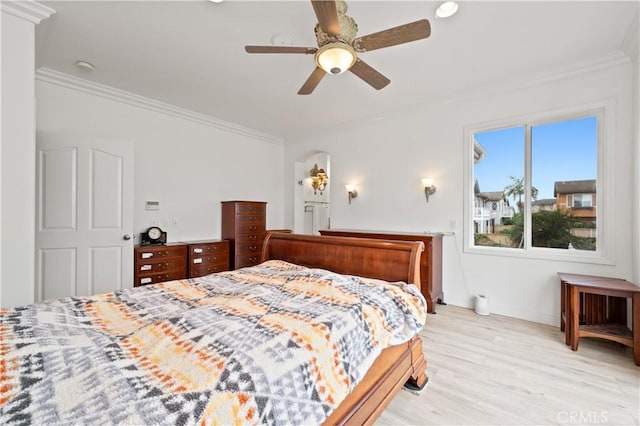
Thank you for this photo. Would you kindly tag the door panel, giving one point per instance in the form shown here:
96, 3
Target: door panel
106, 190
106, 269
57, 206
58, 270
85, 206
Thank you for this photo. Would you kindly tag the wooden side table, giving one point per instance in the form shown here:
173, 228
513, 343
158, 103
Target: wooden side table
593, 306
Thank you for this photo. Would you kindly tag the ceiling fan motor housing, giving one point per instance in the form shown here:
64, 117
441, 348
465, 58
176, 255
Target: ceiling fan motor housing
348, 29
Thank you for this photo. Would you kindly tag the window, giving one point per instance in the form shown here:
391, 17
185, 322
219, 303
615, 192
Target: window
552, 164
581, 201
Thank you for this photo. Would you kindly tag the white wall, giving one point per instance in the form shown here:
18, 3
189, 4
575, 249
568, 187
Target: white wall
386, 159
636, 160
17, 153
187, 166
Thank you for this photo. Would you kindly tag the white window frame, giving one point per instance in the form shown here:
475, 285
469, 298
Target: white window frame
582, 196
605, 185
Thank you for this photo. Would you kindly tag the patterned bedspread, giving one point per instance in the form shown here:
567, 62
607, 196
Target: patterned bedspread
275, 343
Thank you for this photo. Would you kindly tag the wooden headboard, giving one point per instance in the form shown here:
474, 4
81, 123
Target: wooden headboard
382, 259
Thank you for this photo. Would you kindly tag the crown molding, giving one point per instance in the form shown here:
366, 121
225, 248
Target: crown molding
631, 43
612, 59
31, 11
71, 82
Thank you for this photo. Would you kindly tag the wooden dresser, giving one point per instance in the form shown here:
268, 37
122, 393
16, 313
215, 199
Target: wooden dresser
208, 256
155, 264
244, 224
176, 261
430, 261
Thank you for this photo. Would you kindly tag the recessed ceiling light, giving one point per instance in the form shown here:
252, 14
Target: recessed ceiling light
446, 9
84, 65
216, 1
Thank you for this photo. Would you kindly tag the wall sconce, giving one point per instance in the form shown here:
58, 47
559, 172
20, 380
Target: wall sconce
429, 187
351, 191
319, 179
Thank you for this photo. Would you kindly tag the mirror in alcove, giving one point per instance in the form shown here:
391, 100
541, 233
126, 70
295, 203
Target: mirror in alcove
312, 201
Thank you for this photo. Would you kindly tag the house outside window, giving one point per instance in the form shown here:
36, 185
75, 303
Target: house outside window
535, 182
582, 201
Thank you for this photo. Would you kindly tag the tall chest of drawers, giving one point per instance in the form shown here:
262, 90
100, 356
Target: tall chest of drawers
207, 257
244, 225
155, 264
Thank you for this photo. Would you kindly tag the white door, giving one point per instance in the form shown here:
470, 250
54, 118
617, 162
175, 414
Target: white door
84, 216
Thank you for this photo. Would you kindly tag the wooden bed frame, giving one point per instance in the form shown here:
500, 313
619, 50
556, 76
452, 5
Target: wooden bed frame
382, 259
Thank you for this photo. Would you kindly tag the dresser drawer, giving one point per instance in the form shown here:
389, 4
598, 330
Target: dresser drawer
243, 260
221, 259
243, 208
248, 248
196, 250
251, 227
250, 218
158, 278
200, 270
159, 265
251, 238
160, 252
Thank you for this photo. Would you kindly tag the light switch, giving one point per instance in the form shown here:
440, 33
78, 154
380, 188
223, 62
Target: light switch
152, 205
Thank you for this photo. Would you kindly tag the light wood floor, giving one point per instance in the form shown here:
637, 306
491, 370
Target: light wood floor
496, 370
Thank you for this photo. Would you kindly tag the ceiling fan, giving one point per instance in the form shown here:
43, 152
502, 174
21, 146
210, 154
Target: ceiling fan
338, 46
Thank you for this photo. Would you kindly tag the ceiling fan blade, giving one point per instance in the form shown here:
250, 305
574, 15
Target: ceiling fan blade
327, 14
312, 81
393, 36
369, 75
281, 49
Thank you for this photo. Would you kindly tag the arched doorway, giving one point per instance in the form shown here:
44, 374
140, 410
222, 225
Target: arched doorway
312, 201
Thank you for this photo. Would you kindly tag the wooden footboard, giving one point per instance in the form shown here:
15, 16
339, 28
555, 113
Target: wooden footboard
395, 366
382, 259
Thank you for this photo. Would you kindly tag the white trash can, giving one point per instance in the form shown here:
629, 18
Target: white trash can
482, 304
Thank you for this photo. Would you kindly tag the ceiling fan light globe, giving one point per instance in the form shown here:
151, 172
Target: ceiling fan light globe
335, 58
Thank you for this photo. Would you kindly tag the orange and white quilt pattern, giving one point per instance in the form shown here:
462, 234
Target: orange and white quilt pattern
271, 344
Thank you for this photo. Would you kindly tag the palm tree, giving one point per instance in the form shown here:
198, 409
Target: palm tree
517, 189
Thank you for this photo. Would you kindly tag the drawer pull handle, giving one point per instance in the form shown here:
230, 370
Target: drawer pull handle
252, 228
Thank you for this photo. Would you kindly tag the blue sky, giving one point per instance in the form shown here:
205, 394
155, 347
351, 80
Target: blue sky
564, 150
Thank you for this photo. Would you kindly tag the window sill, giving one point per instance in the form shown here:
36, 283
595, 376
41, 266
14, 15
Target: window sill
556, 255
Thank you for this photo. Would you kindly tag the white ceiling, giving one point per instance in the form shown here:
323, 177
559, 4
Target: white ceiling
190, 53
